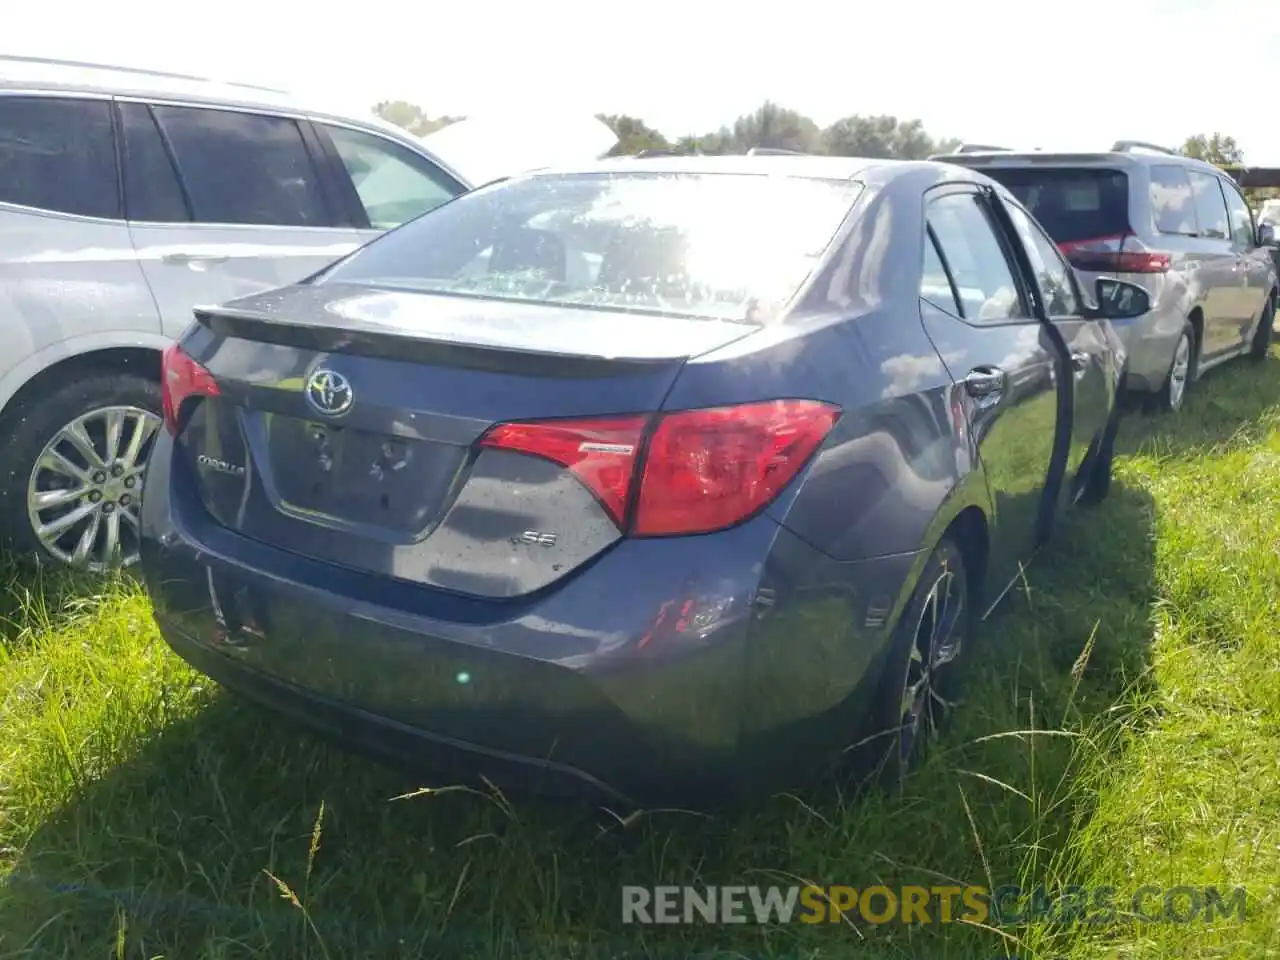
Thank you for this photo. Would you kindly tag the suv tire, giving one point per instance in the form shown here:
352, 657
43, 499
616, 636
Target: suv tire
1182, 371
47, 435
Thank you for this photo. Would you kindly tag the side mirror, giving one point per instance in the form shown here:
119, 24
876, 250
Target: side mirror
1267, 236
1120, 300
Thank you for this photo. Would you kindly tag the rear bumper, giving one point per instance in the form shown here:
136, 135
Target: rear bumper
1149, 342
664, 668
382, 738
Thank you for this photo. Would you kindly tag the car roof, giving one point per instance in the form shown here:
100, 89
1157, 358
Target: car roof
41, 75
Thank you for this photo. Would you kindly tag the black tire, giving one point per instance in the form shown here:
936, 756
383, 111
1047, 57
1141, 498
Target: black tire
1097, 484
1262, 337
1173, 394
33, 422
893, 746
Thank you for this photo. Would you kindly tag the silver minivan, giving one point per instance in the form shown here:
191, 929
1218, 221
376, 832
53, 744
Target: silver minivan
1179, 227
127, 198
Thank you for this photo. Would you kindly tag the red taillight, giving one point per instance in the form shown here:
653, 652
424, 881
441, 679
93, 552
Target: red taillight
703, 470
601, 453
180, 378
1108, 255
709, 469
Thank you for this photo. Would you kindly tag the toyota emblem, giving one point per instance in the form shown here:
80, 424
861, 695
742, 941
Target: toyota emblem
329, 392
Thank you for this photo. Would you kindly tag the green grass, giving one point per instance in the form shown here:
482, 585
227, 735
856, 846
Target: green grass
1122, 728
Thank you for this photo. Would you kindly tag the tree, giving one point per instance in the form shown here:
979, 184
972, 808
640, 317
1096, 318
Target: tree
769, 125
947, 145
1216, 148
411, 117
634, 135
688, 146
881, 137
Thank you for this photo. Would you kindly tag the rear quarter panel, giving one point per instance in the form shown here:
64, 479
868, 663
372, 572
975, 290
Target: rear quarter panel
899, 463
860, 521
66, 279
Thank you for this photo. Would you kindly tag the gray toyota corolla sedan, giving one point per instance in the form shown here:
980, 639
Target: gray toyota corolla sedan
649, 477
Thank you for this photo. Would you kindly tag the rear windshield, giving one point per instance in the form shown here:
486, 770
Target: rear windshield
1071, 204
722, 246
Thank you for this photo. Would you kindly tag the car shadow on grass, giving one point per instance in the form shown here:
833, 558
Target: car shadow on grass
228, 834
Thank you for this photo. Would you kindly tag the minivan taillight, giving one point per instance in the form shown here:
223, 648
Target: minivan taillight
701, 470
181, 378
1117, 253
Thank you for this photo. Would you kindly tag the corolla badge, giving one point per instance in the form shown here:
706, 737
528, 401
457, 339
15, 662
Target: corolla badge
220, 466
329, 392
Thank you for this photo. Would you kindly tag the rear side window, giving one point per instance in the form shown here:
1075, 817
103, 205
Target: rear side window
1211, 209
394, 183
1172, 201
1072, 204
151, 190
58, 155
975, 259
243, 167
935, 285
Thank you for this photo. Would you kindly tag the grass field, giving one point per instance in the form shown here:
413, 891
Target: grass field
1122, 728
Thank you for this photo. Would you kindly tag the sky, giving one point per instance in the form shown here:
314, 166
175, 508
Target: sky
1074, 75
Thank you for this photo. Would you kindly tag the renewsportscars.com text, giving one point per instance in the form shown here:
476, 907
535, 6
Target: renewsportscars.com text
1002, 906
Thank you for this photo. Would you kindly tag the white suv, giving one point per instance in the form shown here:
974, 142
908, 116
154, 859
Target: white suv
128, 197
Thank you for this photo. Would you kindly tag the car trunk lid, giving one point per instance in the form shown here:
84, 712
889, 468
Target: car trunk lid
347, 422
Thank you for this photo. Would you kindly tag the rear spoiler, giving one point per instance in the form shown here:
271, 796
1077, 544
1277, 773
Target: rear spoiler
980, 148
398, 344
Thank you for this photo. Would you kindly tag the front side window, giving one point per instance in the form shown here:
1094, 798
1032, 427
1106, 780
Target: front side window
724, 246
244, 168
1211, 209
1239, 217
58, 155
1052, 273
394, 183
981, 272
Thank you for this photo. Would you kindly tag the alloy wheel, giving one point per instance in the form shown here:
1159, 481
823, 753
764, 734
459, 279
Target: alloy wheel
1179, 372
85, 488
935, 648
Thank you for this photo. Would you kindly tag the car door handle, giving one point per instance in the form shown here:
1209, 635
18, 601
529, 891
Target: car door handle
185, 258
1080, 363
985, 383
